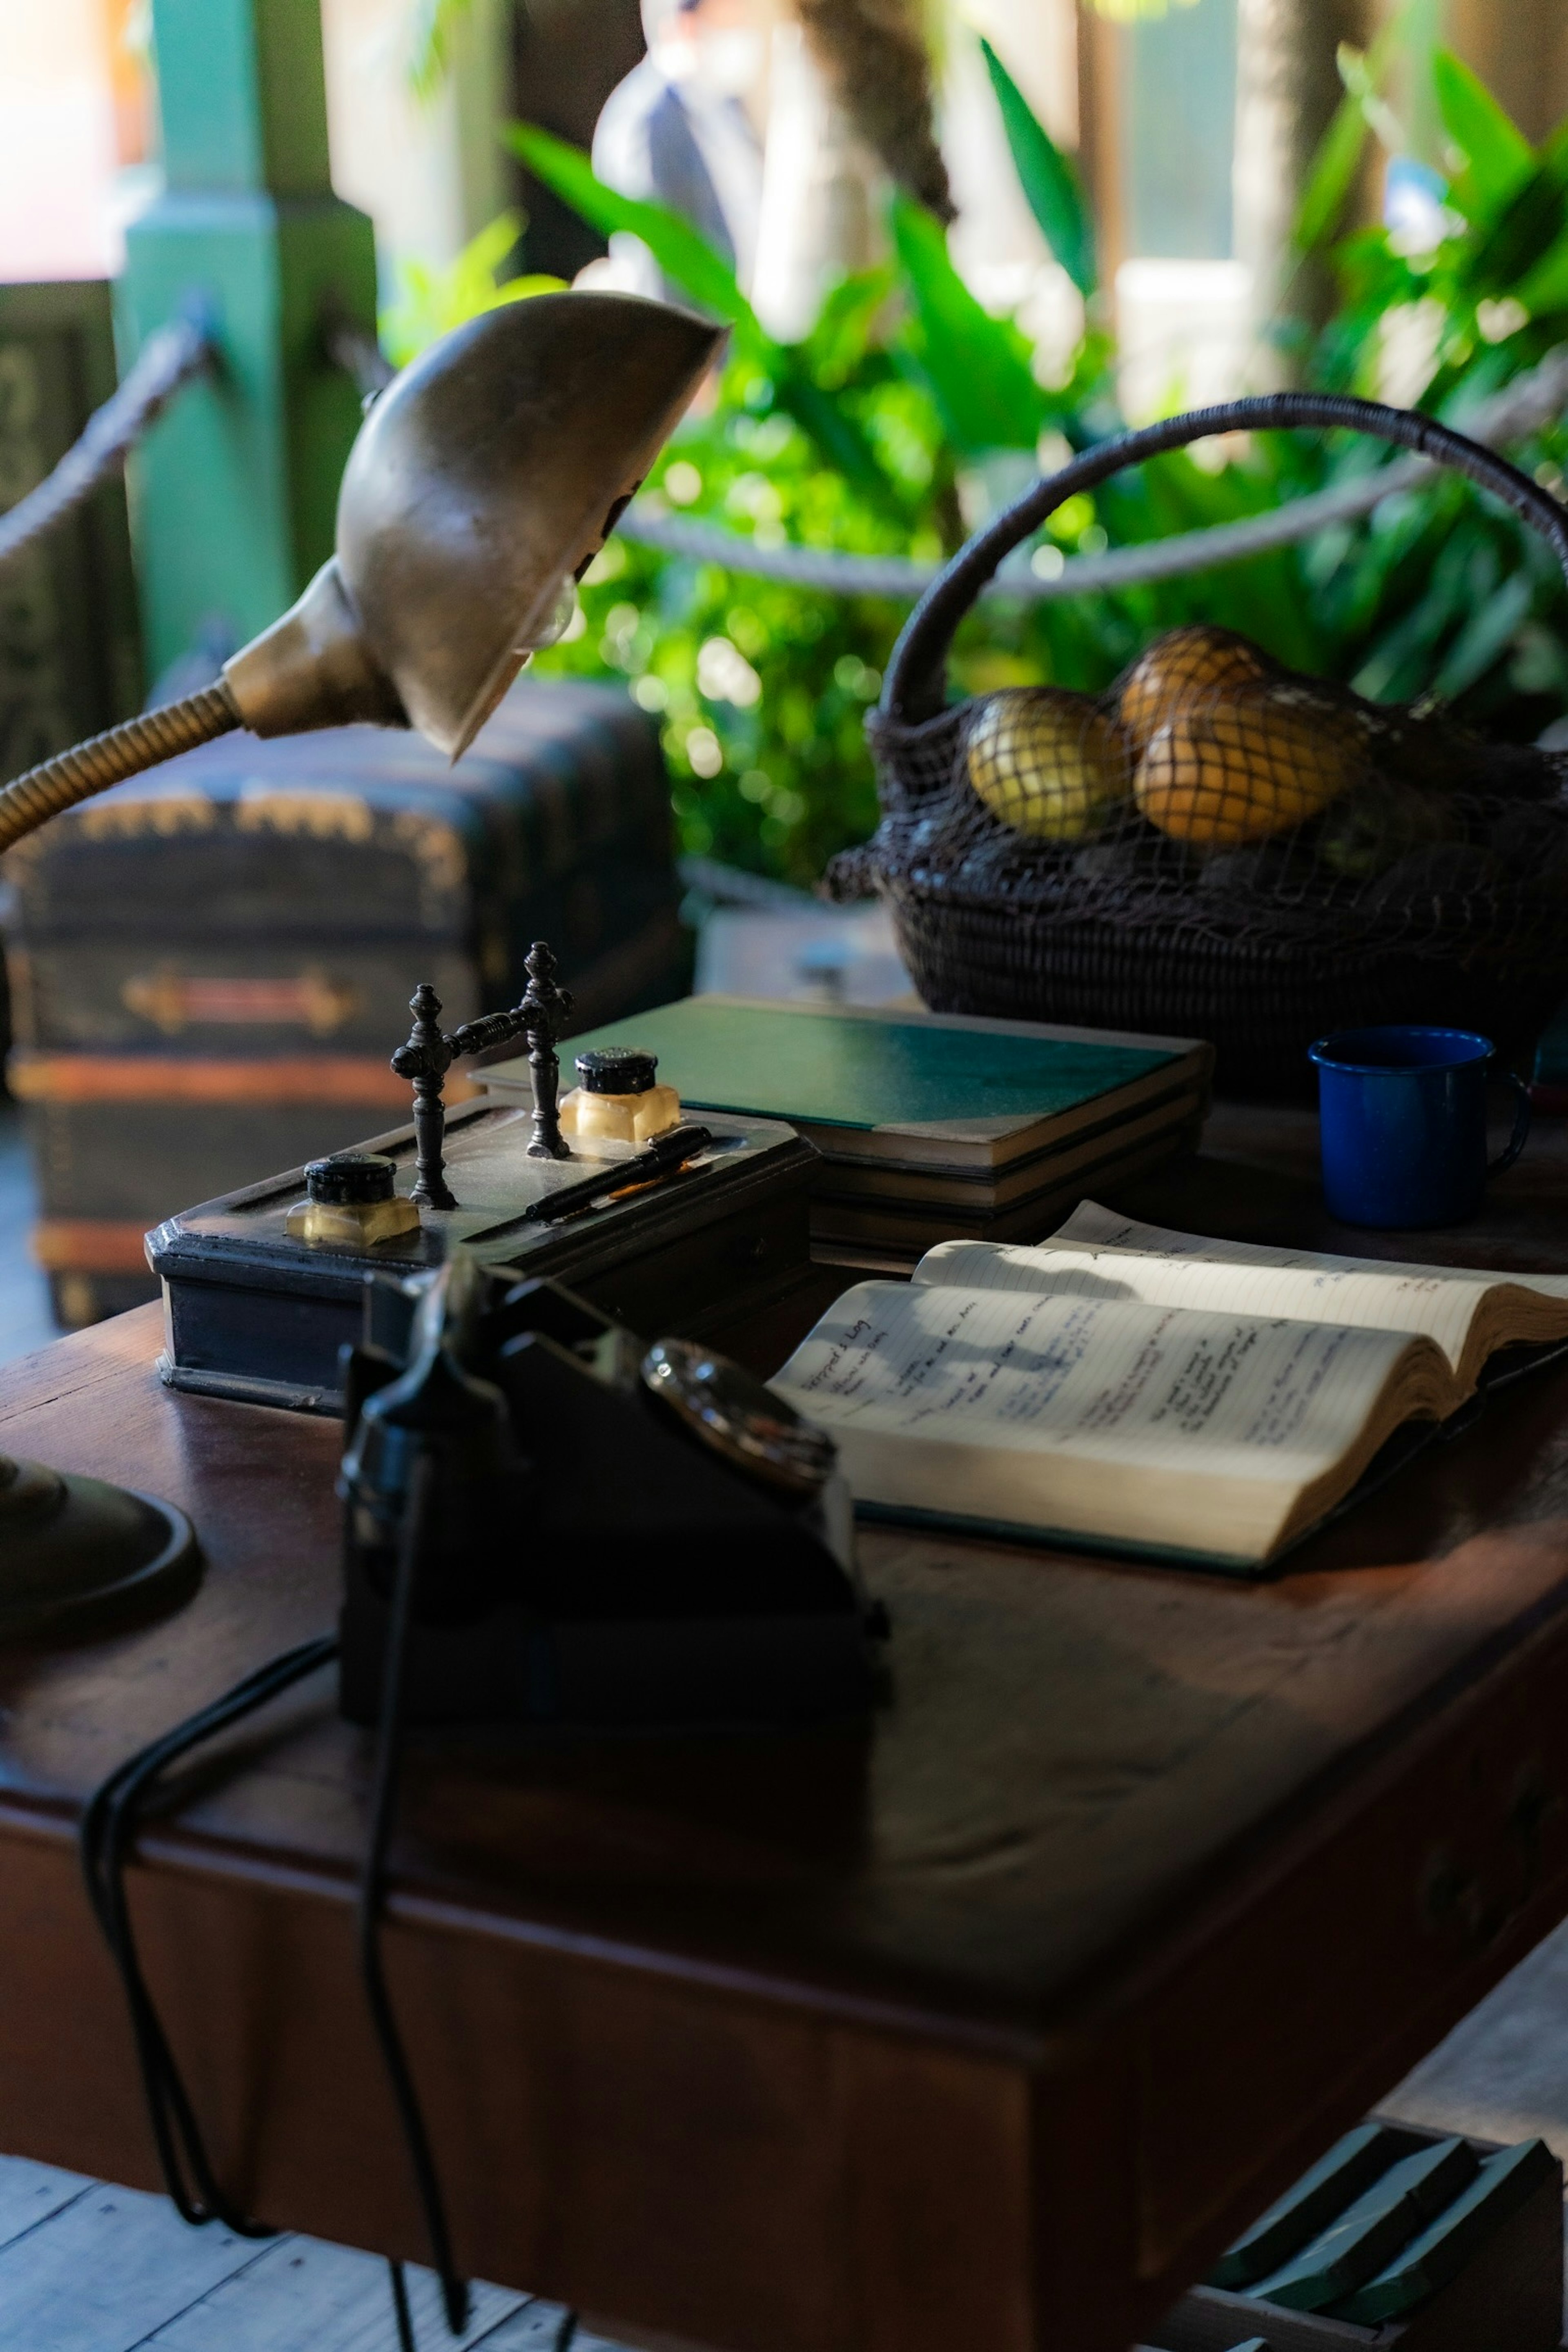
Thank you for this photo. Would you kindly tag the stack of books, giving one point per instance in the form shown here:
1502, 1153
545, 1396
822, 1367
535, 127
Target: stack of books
932, 1127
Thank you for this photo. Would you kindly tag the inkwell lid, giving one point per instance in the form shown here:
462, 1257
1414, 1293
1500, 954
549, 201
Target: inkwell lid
616, 1070
355, 1179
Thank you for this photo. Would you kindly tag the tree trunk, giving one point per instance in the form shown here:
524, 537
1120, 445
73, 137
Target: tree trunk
1520, 48
1287, 89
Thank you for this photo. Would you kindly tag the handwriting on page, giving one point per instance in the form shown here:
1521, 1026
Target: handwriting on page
952, 1362
1092, 1226
1098, 1252
1099, 1374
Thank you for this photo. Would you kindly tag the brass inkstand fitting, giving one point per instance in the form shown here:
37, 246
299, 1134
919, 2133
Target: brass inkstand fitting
431, 1051
352, 1203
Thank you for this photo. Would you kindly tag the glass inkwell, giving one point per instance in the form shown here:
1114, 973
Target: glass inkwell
617, 1099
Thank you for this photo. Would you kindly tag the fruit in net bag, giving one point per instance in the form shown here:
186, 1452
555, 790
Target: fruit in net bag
1377, 823
1188, 667
1047, 762
1233, 771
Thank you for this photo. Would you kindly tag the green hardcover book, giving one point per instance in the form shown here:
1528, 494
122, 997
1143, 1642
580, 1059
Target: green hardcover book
913, 1092
894, 1233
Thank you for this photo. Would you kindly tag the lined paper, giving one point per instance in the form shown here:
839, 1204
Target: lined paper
1094, 1378
1100, 1254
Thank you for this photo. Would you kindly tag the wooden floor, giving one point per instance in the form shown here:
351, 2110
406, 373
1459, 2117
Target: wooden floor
85, 2267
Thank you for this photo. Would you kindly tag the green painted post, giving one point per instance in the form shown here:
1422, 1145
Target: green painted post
236, 488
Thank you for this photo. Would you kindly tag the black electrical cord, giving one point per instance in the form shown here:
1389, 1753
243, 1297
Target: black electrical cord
400, 2311
372, 1889
107, 1828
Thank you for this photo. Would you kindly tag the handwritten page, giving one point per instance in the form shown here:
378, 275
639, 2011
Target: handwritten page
1097, 1253
1038, 1409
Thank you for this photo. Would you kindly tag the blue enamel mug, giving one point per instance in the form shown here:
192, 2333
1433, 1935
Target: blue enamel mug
1403, 1118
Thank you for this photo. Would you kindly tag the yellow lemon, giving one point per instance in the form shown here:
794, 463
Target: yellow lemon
1244, 770
1047, 762
1185, 667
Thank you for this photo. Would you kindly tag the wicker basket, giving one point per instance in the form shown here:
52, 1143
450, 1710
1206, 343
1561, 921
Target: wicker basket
991, 921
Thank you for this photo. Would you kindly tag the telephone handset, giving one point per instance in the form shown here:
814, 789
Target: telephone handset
608, 1534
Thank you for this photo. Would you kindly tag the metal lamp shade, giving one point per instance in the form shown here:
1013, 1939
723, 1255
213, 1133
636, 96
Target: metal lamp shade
489, 474
485, 478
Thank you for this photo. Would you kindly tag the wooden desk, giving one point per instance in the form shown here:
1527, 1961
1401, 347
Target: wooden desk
985, 2030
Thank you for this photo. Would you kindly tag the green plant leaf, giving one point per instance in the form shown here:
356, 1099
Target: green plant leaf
1520, 236
845, 334
680, 251
834, 430
1497, 150
975, 367
685, 255
1332, 176
1545, 288
435, 28
1048, 181
1362, 73
1486, 636
430, 301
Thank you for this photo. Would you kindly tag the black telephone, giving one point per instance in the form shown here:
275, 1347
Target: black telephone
589, 1532
545, 1523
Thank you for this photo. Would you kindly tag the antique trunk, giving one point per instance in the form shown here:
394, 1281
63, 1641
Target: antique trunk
211, 966
70, 656
70, 659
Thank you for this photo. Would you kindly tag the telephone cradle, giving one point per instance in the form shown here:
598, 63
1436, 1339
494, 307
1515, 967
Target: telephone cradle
590, 1532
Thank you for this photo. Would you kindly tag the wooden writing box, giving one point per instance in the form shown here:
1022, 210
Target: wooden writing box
252, 1314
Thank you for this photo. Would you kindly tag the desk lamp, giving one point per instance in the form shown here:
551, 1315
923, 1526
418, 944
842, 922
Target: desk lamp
481, 485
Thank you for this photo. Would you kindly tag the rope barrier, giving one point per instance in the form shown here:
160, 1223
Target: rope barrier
1534, 399
174, 354
356, 349
168, 360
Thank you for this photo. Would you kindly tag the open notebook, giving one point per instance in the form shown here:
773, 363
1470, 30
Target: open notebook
1122, 1385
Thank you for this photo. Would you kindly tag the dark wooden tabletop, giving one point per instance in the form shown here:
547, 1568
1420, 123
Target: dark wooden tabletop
1255, 1179
986, 2026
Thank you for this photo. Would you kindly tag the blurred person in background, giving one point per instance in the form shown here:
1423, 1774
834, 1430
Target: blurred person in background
769, 126
678, 133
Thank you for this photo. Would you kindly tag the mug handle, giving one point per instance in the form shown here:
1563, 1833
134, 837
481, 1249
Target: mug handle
1516, 1141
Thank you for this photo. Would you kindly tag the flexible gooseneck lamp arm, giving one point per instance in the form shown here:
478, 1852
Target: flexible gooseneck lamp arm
482, 483
483, 480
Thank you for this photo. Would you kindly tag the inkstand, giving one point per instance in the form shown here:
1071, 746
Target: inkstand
661, 1222
538, 1019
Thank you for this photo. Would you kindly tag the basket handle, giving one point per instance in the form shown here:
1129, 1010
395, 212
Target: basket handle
915, 685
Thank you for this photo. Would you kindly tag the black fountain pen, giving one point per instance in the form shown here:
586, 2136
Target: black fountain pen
667, 1155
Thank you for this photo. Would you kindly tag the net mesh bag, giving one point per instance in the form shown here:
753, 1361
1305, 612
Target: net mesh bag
1216, 847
